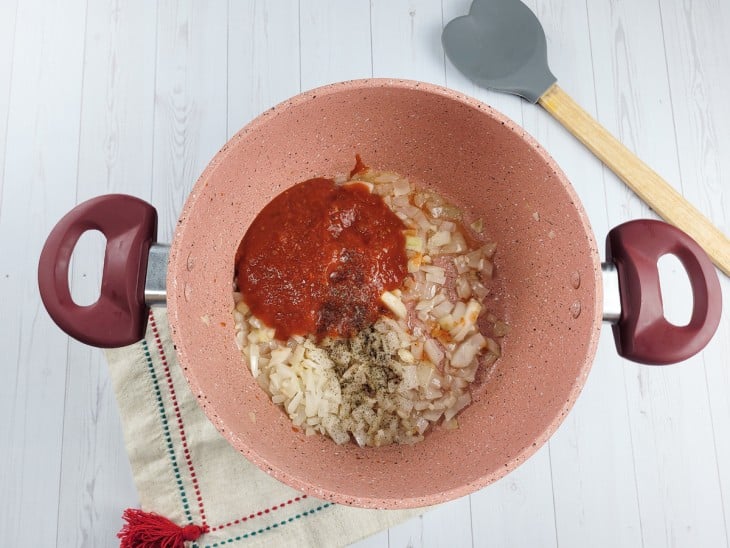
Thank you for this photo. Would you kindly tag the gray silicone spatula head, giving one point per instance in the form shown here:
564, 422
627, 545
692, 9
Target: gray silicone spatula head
500, 45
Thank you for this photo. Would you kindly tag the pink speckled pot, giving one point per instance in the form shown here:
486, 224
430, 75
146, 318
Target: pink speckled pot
547, 284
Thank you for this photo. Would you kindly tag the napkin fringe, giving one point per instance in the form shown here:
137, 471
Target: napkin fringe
150, 530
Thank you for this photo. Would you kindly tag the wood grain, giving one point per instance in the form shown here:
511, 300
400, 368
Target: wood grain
334, 41
263, 58
650, 187
190, 115
7, 41
498, 514
115, 155
38, 187
136, 97
592, 447
698, 50
627, 41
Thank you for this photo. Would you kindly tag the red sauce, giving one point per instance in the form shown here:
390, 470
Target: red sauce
359, 166
317, 258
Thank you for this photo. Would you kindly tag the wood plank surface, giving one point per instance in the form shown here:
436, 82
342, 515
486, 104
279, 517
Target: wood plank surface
115, 156
136, 97
39, 186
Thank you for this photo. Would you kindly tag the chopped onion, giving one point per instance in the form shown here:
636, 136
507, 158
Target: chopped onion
253, 359
493, 347
368, 186
439, 239
461, 403
489, 250
500, 328
410, 377
467, 350
432, 340
414, 243
401, 187
442, 309
432, 350
294, 403
394, 304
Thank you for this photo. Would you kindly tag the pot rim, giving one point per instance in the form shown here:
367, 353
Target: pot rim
175, 312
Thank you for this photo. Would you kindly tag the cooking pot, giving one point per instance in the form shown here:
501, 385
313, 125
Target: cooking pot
549, 283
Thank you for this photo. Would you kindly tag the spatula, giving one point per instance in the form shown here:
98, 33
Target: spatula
501, 45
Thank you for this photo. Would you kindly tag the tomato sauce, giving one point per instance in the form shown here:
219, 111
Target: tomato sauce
317, 258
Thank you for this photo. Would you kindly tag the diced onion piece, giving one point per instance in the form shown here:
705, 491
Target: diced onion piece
394, 304
242, 307
487, 269
444, 212
459, 311
424, 373
296, 356
433, 414
461, 403
414, 243
489, 359
420, 198
463, 289
474, 259
253, 359
439, 239
386, 178
406, 356
432, 350
461, 264
451, 424
447, 322
479, 290
436, 278
410, 377
414, 263
311, 404
430, 269
401, 187
402, 201
493, 347
417, 349
280, 355
471, 314
432, 393
448, 226
489, 249
477, 226
468, 350
460, 331
294, 403
442, 309
500, 328
368, 186
239, 340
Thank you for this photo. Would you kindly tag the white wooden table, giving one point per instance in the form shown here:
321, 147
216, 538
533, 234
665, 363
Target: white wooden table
105, 96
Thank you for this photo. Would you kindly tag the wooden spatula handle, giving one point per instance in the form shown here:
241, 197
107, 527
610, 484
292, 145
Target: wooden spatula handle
639, 177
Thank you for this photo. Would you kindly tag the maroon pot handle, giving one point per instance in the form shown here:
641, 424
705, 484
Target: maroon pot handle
119, 316
643, 334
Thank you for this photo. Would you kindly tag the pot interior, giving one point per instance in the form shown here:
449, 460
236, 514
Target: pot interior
546, 284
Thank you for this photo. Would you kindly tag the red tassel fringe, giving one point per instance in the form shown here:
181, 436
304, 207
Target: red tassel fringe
150, 530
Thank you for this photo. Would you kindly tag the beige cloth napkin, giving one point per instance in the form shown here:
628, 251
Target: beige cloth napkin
186, 471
